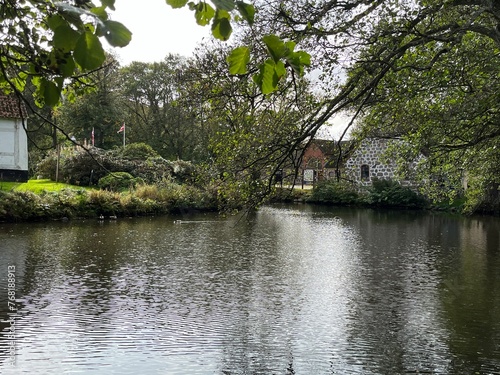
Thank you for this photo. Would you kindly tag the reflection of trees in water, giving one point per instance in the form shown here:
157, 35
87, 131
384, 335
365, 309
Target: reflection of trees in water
395, 317
427, 297
470, 298
67, 276
260, 286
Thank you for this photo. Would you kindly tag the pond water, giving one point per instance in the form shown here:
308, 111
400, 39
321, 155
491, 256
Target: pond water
287, 290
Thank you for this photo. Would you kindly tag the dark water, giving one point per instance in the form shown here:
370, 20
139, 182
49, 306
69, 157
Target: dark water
291, 290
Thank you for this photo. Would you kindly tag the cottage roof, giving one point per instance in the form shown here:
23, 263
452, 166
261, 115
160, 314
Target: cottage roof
327, 147
12, 107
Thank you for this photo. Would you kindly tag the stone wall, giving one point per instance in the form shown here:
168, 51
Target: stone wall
368, 159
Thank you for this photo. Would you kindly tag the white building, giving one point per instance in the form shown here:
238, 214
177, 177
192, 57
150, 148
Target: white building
13, 140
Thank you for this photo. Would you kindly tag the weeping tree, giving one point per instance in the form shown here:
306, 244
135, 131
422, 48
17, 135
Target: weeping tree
252, 136
450, 116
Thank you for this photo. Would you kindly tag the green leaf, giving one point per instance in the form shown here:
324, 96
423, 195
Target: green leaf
203, 13
227, 5
89, 53
221, 26
19, 81
276, 47
298, 60
177, 3
65, 38
280, 69
55, 21
238, 60
116, 34
50, 92
290, 45
67, 68
247, 11
268, 77
100, 12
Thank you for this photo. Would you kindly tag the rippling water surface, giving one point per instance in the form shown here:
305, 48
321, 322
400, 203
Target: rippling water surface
289, 290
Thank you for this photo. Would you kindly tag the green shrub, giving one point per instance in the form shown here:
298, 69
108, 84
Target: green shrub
389, 193
137, 151
117, 181
20, 205
290, 195
333, 192
47, 167
76, 166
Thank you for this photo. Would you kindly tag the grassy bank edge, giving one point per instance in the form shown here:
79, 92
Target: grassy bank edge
45, 200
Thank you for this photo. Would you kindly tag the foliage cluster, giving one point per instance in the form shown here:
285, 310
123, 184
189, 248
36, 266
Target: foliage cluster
482, 196
46, 44
333, 192
389, 193
382, 193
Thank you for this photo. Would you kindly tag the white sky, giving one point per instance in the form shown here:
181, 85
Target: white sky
157, 30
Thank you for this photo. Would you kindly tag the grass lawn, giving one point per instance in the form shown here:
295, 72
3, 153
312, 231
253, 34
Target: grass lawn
36, 186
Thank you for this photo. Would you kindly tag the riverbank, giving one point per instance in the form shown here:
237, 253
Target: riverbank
70, 202
40, 200
382, 194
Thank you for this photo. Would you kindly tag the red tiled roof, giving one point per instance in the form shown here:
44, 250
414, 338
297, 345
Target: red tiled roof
11, 107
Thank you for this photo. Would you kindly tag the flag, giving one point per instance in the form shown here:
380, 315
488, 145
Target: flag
122, 128
92, 137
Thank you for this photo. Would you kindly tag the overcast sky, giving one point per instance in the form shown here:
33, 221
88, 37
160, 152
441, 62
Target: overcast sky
157, 30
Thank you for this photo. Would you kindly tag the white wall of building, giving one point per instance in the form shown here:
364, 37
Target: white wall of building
13, 145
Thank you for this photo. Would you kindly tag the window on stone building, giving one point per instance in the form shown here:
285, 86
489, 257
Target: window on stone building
365, 172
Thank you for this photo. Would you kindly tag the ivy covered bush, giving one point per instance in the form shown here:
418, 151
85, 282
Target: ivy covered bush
118, 181
135, 151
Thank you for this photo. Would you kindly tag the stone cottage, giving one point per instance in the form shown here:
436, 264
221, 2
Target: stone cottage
366, 163
13, 140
